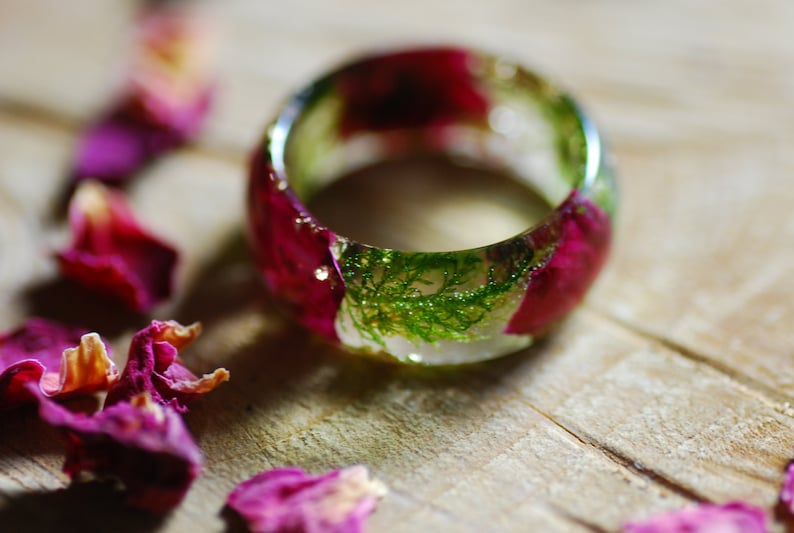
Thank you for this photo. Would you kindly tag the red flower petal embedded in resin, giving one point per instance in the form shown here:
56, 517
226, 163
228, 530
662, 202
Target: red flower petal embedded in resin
288, 499
165, 103
59, 360
414, 89
293, 252
112, 254
143, 444
582, 233
153, 366
706, 518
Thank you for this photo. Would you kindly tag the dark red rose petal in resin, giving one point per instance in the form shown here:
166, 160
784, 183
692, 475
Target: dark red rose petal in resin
413, 89
583, 233
293, 252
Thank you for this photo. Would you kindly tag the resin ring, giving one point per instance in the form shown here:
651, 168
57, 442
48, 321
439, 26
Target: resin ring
431, 307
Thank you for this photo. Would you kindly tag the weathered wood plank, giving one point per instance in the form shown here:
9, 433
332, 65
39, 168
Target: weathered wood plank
670, 386
705, 259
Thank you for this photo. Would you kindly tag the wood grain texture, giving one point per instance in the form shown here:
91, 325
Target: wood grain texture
671, 385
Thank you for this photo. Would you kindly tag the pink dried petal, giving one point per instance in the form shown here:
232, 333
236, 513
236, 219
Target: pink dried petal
734, 517
145, 445
787, 490
172, 65
289, 499
165, 104
112, 254
63, 361
154, 367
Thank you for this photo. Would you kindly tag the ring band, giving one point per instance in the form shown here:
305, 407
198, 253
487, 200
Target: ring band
431, 307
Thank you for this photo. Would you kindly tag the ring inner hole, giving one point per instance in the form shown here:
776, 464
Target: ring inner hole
482, 184
430, 202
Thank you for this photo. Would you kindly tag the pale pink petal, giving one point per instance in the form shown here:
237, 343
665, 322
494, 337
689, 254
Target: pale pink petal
61, 360
169, 92
288, 499
734, 517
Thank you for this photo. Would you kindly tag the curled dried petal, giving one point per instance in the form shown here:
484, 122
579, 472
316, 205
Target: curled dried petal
169, 92
289, 499
706, 518
111, 253
63, 361
145, 445
153, 366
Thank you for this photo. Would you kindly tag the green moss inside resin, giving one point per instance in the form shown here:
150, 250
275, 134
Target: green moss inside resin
428, 296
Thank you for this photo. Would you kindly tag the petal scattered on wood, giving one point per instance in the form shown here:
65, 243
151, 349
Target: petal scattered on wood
787, 490
60, 360
165, 103
143, 444
153, 366
707, 518
289, 499
112, 254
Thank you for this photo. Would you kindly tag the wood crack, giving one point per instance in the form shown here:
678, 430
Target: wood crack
622, 460
581, 522
775, 399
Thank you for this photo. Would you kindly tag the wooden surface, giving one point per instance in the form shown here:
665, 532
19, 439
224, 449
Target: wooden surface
671, 385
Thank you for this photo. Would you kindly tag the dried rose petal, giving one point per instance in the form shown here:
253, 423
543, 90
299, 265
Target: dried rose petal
787, 490
413, 89
154, 367
738, 517
63, 361
112, 254
165, 104
289, 499
291, 248
143, 444
583, 232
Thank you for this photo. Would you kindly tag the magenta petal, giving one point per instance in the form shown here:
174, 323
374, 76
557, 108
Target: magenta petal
117, 146
111, 151
153, 367
60, 360
787, 490
111, 253
144, 445
706, 518
582, 233
288, 499
167, 97
293, 252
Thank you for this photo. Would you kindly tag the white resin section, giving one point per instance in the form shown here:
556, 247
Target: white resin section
444, 352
